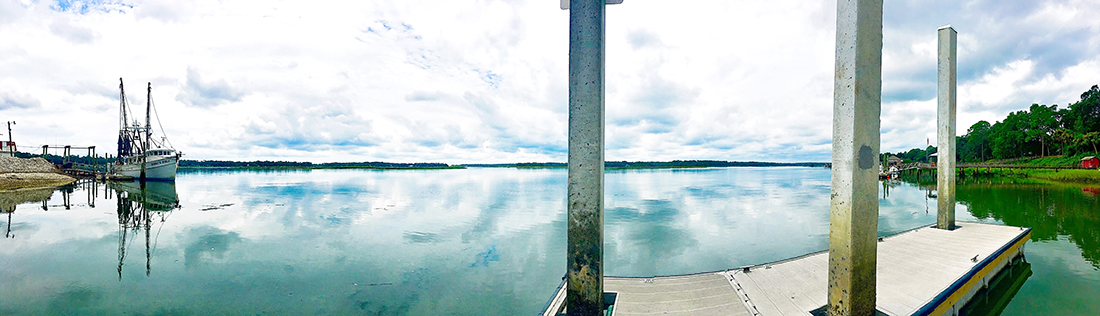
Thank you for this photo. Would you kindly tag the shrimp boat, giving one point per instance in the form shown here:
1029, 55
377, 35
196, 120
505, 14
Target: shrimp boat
140, 155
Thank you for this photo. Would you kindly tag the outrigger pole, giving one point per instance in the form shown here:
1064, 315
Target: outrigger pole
145, 143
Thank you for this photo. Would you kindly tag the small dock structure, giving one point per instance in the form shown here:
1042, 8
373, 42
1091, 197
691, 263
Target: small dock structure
75, 169
924, 271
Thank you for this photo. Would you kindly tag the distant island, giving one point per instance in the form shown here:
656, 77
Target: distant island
658, 164
264, 164
267, 164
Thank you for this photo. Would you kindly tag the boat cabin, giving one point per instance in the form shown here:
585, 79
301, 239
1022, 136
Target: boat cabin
160, 152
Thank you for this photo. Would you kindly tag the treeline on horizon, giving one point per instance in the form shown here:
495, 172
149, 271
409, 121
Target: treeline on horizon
1040, 130
660, 164
299, 164
187, 163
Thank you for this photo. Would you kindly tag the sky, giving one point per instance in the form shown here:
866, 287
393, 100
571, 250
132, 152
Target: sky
486, 81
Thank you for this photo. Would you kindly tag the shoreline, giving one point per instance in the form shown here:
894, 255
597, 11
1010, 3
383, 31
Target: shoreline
1035, 173
20, 173
316, 167
29, 180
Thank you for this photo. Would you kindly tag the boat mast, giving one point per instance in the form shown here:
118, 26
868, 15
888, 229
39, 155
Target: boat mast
121, 105
148, 129
148, 106
123, 139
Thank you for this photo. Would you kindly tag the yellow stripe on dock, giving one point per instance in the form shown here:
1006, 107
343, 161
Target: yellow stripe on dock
924, 271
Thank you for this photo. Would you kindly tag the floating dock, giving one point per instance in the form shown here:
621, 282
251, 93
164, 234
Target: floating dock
924, 271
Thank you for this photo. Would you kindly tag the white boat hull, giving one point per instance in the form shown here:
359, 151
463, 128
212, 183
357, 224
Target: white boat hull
156, 168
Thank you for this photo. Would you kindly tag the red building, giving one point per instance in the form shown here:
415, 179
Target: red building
1090, 162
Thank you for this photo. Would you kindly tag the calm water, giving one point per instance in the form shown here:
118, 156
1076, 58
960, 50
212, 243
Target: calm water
464, 242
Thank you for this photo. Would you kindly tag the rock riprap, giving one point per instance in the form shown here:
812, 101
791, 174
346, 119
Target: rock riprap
30, 172
36, 164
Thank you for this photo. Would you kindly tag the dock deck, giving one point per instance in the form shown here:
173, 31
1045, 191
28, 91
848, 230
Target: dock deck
925, 271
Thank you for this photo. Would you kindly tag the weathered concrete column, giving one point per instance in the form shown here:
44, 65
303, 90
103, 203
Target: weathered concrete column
945, 131
584, 275
853, 218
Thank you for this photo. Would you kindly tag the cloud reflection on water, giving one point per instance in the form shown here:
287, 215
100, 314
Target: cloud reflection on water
419, 242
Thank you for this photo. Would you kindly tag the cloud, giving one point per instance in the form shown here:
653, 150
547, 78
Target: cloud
417, 96
207, 93
12, 100
487, 81
74, 33
305, 127
166, 11
642, 38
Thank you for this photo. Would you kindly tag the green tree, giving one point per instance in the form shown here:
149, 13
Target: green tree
1009, 139
1042, 121
976, 145
1091, 138
1084, 116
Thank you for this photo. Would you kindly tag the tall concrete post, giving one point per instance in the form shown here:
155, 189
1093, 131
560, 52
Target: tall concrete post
584, 275
945, 131
853, 218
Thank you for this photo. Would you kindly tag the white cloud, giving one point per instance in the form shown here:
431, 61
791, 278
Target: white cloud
16, 100
486, 80
202, 93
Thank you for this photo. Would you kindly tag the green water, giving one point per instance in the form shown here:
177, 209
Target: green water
1064, 250
463, 242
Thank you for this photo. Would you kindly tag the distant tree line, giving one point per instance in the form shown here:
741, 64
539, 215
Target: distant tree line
661, 164
298, 164
1040, 130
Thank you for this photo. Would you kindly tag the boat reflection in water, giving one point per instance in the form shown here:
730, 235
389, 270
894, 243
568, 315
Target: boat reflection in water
138, 205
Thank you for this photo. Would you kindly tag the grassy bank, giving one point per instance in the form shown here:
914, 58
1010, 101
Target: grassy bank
1048, 161
612, 167
1078, 176
1082, 176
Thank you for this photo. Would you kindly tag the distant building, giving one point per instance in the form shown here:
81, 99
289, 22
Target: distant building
893, 160
7, 149
1090, 162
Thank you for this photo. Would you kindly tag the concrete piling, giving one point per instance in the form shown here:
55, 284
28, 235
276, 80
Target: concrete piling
584, 275
853, 218
945, 131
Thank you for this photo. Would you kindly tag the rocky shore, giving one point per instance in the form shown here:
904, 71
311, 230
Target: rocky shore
29, 172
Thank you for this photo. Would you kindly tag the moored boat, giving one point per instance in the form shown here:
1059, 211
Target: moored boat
140, 156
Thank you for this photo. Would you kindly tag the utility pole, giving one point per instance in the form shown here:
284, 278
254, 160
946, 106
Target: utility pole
10, 144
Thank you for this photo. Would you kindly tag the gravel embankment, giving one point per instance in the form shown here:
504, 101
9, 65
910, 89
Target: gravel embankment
36, 164
31, 172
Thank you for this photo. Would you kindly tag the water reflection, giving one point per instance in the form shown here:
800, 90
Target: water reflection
138, 203
11, 199
408, 242
1052, 210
